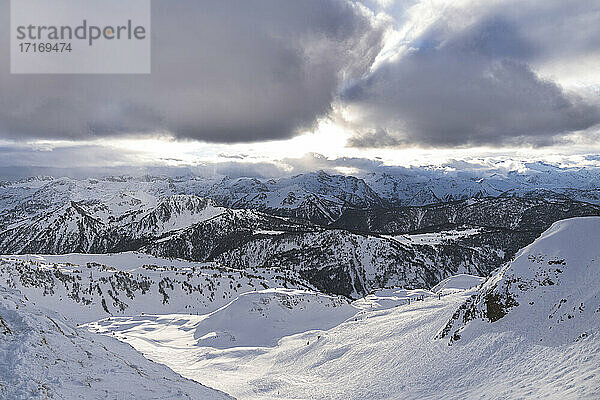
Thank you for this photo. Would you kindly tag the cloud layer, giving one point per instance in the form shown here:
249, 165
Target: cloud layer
460, 73
225, 71
471, 78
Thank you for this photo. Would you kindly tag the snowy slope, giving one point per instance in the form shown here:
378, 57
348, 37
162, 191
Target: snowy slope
387, 353
43, 357
171, 214
457, 282
532, 331
254, 319
549, 294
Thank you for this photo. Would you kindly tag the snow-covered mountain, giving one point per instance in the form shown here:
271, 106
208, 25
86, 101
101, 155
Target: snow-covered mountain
417, 187
550, 294
319, 197
422, 186
95, 227
351, 264
333, 261
43, 356
531, 331
361, 251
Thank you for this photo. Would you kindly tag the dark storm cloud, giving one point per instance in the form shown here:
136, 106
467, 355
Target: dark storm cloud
379, 138
223, 71
476, 85
19, 156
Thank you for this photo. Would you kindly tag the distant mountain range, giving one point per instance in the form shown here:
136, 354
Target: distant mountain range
341, 234
317, 196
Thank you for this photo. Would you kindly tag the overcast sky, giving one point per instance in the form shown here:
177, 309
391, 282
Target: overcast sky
274, 82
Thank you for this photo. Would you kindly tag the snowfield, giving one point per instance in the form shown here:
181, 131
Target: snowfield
387, 354
42, 356
397, 350
254, 319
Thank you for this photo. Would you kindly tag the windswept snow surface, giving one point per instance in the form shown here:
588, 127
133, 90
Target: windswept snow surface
254, 319
42, 356
392, 352
389, 354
